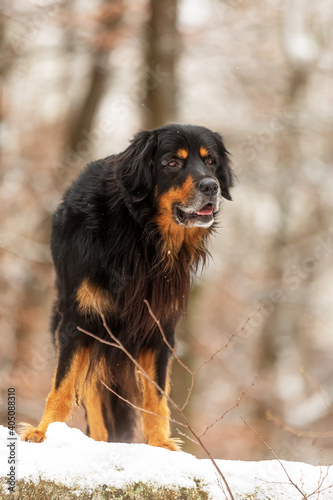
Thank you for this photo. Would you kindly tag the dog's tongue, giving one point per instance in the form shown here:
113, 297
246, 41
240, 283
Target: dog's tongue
206, 210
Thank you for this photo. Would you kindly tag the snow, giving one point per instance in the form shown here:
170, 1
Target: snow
69, 457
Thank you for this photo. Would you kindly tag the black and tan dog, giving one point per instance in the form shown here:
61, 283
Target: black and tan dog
132, 227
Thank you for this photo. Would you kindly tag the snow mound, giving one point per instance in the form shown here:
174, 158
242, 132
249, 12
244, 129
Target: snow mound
70, 458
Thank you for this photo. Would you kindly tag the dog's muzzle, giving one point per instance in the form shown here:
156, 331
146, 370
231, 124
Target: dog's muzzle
202, 207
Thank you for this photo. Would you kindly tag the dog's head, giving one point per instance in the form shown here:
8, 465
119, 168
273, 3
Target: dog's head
182, 169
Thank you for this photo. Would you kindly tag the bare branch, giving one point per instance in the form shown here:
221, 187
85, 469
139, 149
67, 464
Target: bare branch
97, 338
229, 409
187, 437
132, 405
194, 373
297, 432
318, 388
229, 341
157, 321
277, 458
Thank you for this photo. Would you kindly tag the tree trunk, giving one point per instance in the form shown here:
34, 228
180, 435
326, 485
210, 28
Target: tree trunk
110, 19
162, 45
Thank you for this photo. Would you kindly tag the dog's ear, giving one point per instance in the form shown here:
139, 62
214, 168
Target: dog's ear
224, 172
135, 165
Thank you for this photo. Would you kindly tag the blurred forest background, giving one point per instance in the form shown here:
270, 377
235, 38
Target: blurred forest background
78, 79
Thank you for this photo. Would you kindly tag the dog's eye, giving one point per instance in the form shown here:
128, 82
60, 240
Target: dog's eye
210, 160
174, 163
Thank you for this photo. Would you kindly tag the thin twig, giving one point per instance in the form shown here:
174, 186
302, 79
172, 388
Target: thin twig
318, 388
229, 341
187, 437
140, 408
277, 458
172, 349
229, 409
215, 353
297, 432
157, 321
321, 480
97, 338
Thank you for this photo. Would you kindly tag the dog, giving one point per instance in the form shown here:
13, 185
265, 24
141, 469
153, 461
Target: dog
130, 232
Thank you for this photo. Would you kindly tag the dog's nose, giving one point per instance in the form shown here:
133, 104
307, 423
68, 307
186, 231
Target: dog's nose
208, 186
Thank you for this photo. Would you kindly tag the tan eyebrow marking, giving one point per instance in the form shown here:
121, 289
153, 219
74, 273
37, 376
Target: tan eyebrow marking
203, 151
182, 153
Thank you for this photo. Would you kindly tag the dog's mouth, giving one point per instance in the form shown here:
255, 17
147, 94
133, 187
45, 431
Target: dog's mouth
202, 217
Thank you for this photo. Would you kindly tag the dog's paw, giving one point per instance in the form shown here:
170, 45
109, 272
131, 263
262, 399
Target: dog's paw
173, 444
31, 434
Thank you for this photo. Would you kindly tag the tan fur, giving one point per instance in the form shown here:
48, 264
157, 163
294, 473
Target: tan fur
182, 153
203, 151
60, 401
174, 235
92, 400
92, 299
156, 430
